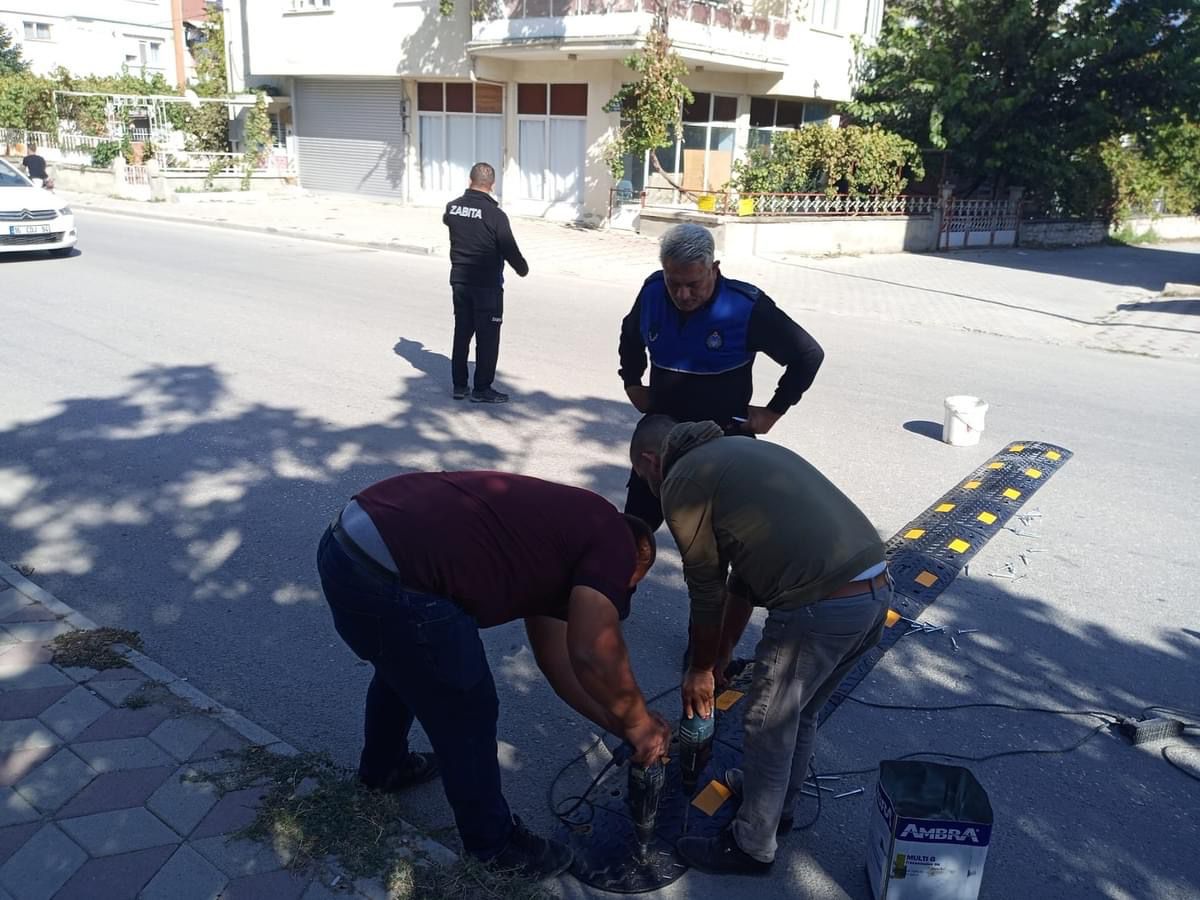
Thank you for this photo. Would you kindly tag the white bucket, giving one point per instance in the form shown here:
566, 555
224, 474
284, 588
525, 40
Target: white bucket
964, 420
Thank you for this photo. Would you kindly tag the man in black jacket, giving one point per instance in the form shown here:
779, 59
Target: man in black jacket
35, 165
481, 241
703, 331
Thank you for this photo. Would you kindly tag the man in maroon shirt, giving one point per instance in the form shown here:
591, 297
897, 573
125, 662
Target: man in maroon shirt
415, 565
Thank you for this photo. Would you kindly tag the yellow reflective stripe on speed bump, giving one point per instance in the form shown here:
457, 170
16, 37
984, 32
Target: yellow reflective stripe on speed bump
712, 797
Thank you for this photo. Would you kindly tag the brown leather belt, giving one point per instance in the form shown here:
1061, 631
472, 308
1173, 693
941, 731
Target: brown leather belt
854, 588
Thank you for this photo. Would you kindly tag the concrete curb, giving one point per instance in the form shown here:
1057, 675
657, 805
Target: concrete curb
395, 247
1174, 289
180, 687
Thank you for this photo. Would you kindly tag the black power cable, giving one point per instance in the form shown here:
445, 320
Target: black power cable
1108, 717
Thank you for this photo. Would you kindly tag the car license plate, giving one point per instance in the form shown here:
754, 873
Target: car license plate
28, 229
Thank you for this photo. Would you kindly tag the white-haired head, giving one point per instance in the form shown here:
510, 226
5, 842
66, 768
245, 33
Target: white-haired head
685, 244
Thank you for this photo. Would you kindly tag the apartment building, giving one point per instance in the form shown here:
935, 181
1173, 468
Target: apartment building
393, 99
94, 37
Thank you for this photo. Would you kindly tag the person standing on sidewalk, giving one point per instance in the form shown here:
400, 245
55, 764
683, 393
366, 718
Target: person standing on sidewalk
812, 558
481, 241
35, 165
416, 564
703, 331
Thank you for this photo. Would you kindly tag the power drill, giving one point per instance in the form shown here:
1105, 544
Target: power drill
645, 787
695, 748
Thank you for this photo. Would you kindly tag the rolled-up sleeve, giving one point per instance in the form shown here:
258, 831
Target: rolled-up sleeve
688, 512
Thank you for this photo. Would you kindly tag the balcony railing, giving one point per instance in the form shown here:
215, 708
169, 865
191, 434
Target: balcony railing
762, 17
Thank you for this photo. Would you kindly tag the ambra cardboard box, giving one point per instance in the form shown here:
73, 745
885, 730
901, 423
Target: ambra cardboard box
929, 833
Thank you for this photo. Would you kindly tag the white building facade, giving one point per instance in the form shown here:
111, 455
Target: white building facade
94, 37
392, 99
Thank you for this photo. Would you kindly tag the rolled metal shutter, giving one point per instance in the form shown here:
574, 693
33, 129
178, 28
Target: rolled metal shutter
350, 136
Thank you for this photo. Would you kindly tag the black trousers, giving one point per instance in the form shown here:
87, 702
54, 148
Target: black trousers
478, 313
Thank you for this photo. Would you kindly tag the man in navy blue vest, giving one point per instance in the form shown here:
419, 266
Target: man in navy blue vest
702, 331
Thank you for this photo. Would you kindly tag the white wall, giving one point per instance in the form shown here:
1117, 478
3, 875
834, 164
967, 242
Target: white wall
92, 37
361, 38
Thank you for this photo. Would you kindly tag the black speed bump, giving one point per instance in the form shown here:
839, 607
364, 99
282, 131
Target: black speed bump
928, 553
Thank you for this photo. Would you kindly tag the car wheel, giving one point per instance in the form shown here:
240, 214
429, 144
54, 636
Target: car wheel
61, 252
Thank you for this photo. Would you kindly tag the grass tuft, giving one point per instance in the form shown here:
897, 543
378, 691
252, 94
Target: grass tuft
315, 812
94, 647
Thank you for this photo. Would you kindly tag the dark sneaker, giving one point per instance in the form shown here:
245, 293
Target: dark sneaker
733, 781
487, 395
720, 855
461, 391
417, 769
530, 856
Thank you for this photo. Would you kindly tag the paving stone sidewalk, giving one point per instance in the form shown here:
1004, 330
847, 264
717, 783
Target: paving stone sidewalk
97, 797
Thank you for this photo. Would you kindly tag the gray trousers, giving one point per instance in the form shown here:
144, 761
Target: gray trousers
801, 659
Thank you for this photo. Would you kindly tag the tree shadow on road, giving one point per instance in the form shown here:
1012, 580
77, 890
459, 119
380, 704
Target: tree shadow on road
183, 512
1105, 818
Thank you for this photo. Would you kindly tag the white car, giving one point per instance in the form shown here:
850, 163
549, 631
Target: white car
31, 217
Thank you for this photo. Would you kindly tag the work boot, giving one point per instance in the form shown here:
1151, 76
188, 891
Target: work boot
733, 780
417, 768
530, 856
487, 395
461, 391
720, 855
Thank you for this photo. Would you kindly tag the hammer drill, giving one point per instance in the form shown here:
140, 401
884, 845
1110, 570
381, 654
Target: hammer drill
695, 748
645, 788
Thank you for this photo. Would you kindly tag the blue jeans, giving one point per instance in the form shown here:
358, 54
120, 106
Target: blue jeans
801, 659
429, 665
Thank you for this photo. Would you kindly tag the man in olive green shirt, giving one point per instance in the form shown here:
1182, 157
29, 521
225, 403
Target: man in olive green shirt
812, 559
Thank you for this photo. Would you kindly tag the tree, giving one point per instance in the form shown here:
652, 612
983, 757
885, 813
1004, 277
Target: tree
651, 108
207, 123
1024, 92
11, 61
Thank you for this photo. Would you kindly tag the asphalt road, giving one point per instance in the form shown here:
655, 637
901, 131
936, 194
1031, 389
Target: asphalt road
184, 409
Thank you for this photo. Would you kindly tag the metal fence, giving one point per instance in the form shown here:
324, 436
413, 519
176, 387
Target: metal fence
734, 203
201, 161
137, 176
66, 143
835, 205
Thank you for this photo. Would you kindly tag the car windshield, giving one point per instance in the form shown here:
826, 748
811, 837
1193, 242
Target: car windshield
10, 177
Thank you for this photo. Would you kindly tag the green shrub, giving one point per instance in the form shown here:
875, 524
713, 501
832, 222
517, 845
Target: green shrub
105, 152
851, 159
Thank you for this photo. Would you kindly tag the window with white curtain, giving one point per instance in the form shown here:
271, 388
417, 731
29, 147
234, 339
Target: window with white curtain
459, 124
552, 130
